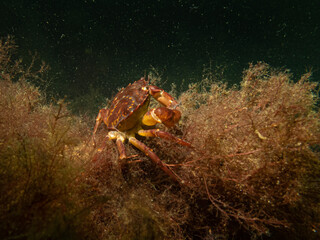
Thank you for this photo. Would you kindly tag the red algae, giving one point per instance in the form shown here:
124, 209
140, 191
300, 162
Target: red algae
252, 171
254, 156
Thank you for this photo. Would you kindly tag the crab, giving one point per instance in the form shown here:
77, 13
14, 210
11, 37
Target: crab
129, 114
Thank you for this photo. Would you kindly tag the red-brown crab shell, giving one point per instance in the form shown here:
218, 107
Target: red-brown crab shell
128, 106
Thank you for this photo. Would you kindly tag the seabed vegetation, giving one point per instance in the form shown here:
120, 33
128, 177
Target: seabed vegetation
252, 172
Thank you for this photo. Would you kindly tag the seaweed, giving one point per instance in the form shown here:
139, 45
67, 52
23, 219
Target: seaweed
252, 171
39, 149
253, 154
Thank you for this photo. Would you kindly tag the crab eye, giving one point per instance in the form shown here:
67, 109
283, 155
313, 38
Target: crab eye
144, 89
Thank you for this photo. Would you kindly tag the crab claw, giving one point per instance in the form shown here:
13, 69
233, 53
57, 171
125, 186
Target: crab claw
166, 116
163, 97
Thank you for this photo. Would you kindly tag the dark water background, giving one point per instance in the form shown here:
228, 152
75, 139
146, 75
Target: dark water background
106, 44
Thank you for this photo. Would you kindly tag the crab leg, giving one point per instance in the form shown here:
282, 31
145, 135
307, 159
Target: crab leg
119, 141
121, 148
135, 142
101, 115
101, 147
164, 135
